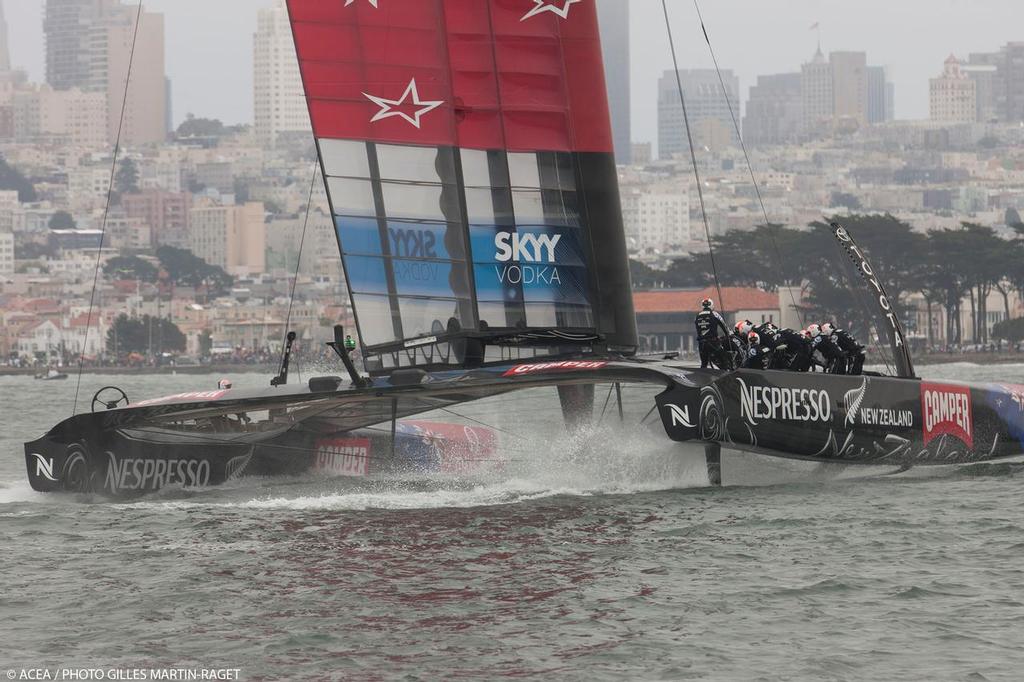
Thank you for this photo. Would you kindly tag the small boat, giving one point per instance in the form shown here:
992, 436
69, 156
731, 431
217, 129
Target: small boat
52, 375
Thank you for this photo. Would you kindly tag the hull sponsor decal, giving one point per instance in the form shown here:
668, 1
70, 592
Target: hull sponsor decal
44, 467
342, 456
873, 416
947, 411
133, 473
680, 415
537, 367
194, 396
776, 403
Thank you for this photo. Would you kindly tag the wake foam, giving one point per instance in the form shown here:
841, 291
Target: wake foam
608, 459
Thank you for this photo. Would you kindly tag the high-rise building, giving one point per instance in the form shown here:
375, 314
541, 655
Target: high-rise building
985, 77
231, 237
849, 86
706, 107
89, 45
278, 99
816, 94
73, 116
656, 219
1014, 80
68, 25
774, 110
166, 213
145, 115
613, 17
880, 92
6, 253
953, 95
5, 51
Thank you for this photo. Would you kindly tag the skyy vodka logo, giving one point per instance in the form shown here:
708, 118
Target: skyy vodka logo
528, 258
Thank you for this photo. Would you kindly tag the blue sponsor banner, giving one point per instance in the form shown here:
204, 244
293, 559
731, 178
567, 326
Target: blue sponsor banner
358, 235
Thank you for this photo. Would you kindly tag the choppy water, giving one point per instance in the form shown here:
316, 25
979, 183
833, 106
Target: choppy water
601, 557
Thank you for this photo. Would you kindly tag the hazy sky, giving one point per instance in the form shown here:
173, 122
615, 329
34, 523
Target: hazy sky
209, 44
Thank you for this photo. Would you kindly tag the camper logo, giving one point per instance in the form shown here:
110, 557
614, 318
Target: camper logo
342, 456
946, 411
528, 258
559, 7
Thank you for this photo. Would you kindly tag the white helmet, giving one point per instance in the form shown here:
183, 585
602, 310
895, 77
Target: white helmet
707, 304
224, 384
753, 339
743, 327
813, 330
827, 329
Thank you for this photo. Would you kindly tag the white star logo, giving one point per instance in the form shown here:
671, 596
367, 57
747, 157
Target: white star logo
549, 6
387, 105
372, 2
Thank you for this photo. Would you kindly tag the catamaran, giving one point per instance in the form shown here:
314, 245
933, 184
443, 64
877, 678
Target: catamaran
467, 153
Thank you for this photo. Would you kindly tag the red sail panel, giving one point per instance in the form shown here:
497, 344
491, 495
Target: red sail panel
521, 75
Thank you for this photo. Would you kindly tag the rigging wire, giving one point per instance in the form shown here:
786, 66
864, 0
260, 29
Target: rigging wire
106, 209
298, 263
746, 157
693, 154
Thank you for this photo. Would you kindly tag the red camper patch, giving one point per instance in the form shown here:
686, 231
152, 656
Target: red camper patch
946, 410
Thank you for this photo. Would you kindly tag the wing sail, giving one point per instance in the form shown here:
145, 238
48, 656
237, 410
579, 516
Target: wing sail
468, 156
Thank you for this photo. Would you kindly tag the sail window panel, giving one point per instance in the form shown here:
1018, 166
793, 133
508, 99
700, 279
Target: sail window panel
437, 279
498, 314
366, 275
359, 235
491, 206
482, 241
375, 322
345, 157
559, 316
524, 170
444, 241
424, 316
416, 164
545, 207
555, 284
351, 197
421, 202
484, 168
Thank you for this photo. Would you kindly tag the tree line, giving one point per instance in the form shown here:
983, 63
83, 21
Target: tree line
946, 267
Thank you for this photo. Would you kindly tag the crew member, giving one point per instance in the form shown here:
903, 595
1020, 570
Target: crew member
834, 360
758, 355
738, 339
853, 351
796, 354
709, 343
769, 335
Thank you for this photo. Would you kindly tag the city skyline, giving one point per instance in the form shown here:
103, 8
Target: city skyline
767, 42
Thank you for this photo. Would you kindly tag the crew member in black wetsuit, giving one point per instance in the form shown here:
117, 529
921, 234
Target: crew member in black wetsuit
758, 355
769, 335
738, 339
709, 343
796, 353
834, 358
853, 351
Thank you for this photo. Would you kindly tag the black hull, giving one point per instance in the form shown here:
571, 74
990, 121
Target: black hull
202, 439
